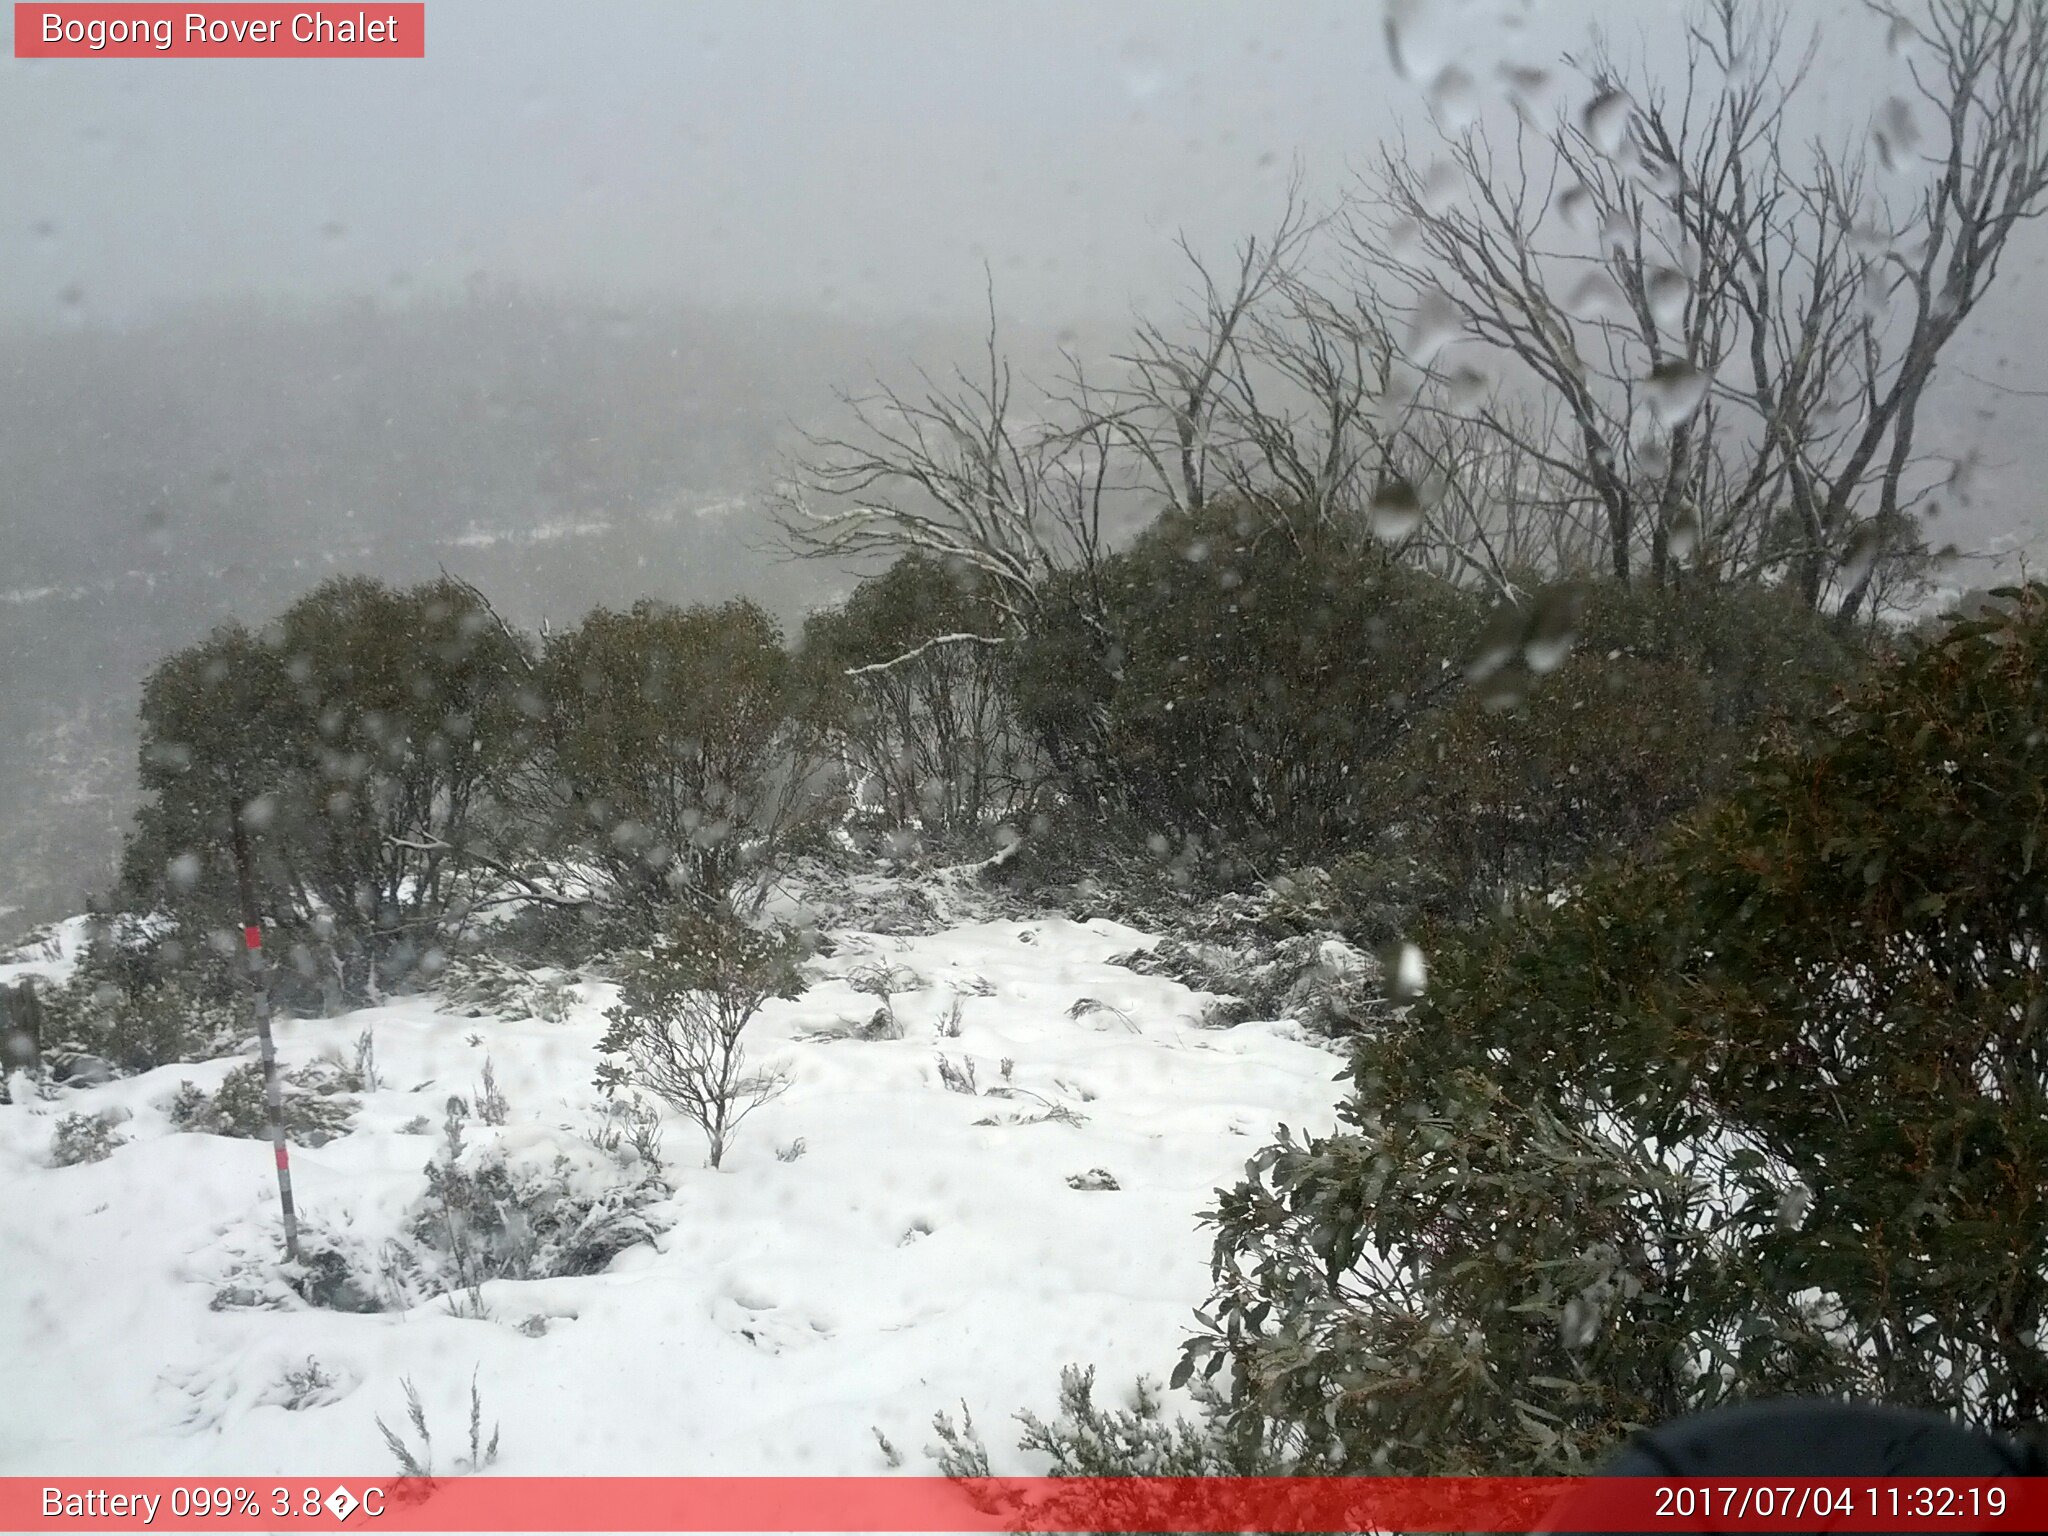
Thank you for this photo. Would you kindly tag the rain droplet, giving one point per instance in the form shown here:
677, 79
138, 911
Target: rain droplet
1598, 297
1895, 133
1683, 535
1467, 387
1455, 97
1675, 391
1575, 207
1666, 291
1434, 325
1579, 1323
1399, 14
1442, 185
1860, 555
1396, 511
1529, 86
1553, 628
1605, 120
1407, 972
184, 871
1794, 1201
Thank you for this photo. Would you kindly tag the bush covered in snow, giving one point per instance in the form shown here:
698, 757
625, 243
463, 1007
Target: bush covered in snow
135, 1031
83, 1138
530, 1202
1241, 948
316, 1108
478, 985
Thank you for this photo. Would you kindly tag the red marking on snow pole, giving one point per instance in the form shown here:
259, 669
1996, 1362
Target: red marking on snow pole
283, 1159
252, 936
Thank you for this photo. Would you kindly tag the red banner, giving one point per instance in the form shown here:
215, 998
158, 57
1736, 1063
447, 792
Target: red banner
936, 1504
247, 31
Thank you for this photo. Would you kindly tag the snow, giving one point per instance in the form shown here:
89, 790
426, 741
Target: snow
911, 1259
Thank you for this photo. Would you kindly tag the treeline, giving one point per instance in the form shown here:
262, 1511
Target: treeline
380, 771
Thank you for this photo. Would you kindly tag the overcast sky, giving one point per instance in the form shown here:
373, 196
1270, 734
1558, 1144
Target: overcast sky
862, 156
867, 153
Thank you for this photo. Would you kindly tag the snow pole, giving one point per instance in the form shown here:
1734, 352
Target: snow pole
273, 1090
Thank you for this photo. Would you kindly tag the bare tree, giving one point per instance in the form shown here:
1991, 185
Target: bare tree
962, 473
1731, 341
1179, 409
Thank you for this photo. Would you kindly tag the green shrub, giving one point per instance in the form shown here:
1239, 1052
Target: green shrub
1762, 1112
682, 1010
1250, 670
1549, 761
352, 747
140, 1030
666, 726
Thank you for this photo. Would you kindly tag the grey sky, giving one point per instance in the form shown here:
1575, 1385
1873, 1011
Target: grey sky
849, 155
791, 151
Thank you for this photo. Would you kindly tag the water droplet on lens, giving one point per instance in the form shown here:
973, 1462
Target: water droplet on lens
1396, 511
1675, 391
1606, 119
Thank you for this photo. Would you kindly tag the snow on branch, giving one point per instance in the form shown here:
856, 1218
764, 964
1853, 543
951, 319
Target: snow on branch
913, 654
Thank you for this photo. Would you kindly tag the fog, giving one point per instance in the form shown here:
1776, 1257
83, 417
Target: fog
666, 229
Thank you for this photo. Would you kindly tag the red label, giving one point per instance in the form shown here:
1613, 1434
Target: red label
252, 937
283, 1158
246, 31
996, 1506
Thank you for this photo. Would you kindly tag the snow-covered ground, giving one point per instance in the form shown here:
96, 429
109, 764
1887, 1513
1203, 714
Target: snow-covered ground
911, 1258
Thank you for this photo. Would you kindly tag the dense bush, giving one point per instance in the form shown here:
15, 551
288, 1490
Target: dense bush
315, 1107
670, 739
351, 749
83, 1138
479, 985
529, 1205
1762, 1112
1250, 670
137, 1014
909, 679
1553, 758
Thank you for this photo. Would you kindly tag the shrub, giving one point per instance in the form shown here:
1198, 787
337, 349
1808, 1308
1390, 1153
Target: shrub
304, 1386
351, 748
530, 1206
477, 985
137, 1031
1549, 761
1759, 1113
667, 725
1253, 666
83, 1138
239, 1107
681, 1012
